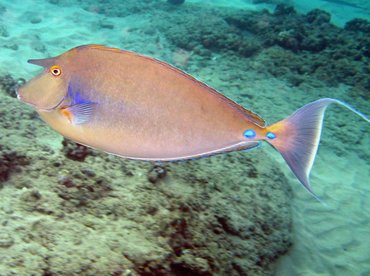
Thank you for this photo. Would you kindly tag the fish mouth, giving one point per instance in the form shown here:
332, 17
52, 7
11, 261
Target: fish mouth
19, 97
54, 107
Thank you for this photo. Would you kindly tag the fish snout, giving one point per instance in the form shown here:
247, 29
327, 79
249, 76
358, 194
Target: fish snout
19, 94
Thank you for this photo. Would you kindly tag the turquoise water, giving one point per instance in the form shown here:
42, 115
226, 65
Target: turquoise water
69, 210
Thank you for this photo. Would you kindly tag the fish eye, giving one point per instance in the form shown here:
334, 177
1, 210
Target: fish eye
55, 70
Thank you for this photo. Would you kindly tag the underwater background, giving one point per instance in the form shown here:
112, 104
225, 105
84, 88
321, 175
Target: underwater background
69, 210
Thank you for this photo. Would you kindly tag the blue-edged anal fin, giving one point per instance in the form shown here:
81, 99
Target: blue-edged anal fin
248, 146
237, 147
79, 113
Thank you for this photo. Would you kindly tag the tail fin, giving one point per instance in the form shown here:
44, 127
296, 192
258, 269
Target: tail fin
297, 137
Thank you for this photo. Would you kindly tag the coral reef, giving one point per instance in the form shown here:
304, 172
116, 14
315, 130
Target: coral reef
213, 34
335, 55
358, 25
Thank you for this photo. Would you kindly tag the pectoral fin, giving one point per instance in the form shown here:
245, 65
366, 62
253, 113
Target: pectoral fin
79, 113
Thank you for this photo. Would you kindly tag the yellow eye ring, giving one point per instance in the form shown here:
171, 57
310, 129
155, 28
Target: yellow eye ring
55, 70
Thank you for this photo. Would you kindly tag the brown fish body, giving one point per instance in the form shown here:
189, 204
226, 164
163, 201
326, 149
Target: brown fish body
141, 108
146, 109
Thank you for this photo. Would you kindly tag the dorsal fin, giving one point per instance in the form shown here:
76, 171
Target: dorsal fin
100, 47
251, 116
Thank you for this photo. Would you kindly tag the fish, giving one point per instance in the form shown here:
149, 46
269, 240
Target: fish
139, 107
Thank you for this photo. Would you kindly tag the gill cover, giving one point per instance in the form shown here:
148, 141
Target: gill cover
46, 91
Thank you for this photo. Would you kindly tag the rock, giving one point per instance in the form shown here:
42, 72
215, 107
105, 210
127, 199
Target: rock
287, 39
6, 240
81, 188
10, 161
314, 43
75, 151
88, 172
66, 181
31, 196
188, 265
358, 25
318, 17
10, 85
157, 173
284, 10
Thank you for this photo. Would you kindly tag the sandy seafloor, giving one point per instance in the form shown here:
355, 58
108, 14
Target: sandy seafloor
328, 239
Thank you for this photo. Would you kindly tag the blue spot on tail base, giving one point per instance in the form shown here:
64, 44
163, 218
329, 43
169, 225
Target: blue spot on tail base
249, 133
270, 135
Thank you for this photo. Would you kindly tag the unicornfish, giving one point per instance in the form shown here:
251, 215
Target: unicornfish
138, 107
